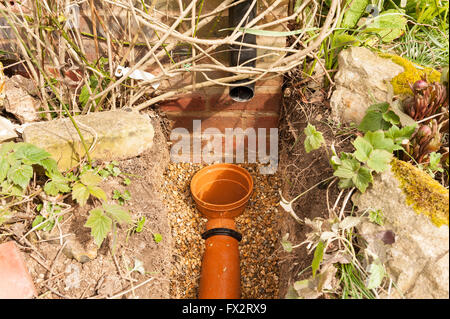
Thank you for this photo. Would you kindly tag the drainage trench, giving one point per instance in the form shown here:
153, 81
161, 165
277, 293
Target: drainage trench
258, 224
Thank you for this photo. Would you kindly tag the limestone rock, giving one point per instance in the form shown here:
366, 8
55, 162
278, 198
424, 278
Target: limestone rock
7, 130
417, 260
117, 135
362, 77
80, 252
18, 100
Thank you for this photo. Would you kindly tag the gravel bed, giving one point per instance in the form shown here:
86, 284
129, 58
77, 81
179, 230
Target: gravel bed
258, 225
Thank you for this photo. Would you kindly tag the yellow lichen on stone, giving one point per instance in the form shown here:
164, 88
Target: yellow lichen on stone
423, 193
412, 73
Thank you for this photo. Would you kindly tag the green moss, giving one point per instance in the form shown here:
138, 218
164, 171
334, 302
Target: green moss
412, 73
423, 193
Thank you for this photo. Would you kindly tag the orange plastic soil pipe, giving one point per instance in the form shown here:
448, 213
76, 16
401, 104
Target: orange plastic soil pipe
221, 192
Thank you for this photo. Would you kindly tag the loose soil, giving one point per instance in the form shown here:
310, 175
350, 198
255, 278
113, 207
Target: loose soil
301, 170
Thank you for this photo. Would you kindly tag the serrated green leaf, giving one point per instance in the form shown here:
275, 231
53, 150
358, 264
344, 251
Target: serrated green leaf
100, 225
378, 141
20, 175
379, 160
286, 244
348, 168
80, 193
7, 147
376, 275
362, 179
97, 192
399, 134
157, 237
379, 107
390, 25
373, 121
31, 154
50, 165
140, 224
362, 149
318, 256
353, 13
55, 187
118, 213
313, 138
89, 178
4, 167
435, 160
391, 117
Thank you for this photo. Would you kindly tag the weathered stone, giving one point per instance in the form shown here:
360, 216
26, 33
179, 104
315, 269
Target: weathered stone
19, 102
362, 80
7, 130
417, 260
117, 135
80, 252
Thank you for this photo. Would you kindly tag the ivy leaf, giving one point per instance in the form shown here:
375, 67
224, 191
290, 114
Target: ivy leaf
118, 213
313, 138
80, 193
100, 225
379, 160
20, 175
318, 256
376, 275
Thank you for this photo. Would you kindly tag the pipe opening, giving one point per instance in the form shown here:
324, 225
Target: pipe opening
242, 93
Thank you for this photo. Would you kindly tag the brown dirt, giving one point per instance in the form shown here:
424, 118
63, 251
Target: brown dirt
301, 171
107, 275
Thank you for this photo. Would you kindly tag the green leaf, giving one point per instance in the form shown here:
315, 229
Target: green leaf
390, 25
30, 154
127, 181
362, 179
313, 138
286, 244
362, 149
118, 213
399, 134
353, 13
435, 160
4, 167
348, 168
379, 160
89, 178
376, 216
100, 225
391, 117
80, 193
50, 165
376, 275
373, 121
157, 237
55, 187
97, 192
318, 255
140, 224
378, 141
379, 107
20, 175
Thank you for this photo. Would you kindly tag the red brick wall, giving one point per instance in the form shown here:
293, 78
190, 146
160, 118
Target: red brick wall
212, 105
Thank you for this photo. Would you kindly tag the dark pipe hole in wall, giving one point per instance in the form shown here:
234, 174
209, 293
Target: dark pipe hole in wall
242, 55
